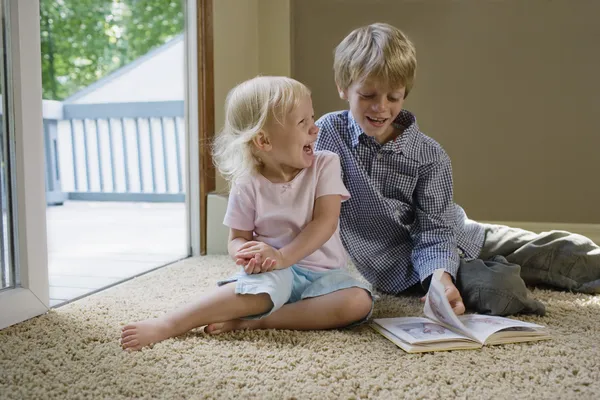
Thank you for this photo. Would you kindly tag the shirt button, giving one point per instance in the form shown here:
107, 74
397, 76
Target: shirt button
379, 156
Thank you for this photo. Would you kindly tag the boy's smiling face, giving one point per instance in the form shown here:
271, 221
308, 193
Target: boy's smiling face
375, 106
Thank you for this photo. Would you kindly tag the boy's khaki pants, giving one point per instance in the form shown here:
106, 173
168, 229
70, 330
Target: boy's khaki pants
512, 257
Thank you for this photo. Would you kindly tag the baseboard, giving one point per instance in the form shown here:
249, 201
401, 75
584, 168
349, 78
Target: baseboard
591, 231
218, 233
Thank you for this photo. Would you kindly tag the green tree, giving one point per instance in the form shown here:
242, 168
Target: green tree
84, 40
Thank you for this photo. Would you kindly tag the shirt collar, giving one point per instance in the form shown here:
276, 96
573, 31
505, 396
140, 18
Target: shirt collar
407, 143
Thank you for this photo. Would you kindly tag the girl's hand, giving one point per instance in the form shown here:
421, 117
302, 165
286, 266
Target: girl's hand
258, 257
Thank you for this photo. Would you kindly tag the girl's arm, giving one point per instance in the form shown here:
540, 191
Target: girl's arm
316, 233
330, 191
237, 239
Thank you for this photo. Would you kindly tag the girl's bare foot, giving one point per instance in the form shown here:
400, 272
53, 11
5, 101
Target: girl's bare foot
142, 333
233, 325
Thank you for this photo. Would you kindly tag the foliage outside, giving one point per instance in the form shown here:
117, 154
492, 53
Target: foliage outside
84, 40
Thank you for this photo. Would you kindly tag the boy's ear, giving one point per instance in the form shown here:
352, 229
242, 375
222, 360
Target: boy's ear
342, 93
261, 141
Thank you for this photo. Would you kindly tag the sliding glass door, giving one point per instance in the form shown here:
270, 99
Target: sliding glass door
28, 146
23, 256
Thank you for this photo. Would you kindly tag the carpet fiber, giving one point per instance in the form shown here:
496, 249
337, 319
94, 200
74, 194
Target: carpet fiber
74, 352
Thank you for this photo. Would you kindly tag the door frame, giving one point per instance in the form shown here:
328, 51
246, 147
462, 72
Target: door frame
200, 117
30, 296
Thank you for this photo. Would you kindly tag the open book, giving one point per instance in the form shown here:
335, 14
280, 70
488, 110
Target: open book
443, 330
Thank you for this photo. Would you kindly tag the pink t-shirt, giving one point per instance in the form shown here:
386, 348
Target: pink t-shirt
277, 212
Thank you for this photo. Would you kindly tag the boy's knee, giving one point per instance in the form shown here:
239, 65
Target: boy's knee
494, 274
495, 287
562, 259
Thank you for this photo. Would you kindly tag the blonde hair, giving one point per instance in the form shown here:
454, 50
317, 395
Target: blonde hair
378, 50
249, 108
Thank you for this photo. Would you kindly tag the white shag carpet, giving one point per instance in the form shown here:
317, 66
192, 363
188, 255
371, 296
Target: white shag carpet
74, 352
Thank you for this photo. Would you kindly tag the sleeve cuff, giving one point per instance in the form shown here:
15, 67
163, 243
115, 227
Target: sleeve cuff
450, 265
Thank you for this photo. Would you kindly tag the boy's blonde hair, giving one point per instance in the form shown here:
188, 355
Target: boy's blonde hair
249, 108
380, 51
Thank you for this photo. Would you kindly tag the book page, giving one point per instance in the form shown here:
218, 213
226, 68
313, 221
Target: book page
483, 326
426, 347
437, 307
443, 330
419, 330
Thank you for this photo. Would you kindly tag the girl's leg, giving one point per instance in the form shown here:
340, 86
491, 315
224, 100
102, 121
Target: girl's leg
333, 310
557, 258
223, 304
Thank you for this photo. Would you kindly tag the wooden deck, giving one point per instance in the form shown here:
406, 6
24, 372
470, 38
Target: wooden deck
92, 245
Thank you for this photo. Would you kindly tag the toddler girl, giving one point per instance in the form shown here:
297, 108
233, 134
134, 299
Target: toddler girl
283, 213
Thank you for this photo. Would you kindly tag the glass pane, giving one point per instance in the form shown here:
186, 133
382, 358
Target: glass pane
113, 71
7, 270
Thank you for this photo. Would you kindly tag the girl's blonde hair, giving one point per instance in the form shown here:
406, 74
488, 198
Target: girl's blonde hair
249, 107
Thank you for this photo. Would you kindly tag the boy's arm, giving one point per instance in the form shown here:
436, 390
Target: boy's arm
433, 236
327, 133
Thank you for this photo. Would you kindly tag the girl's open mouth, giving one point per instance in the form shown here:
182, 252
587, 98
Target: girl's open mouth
308, 149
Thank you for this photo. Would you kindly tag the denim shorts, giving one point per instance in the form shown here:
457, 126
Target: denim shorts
295, 283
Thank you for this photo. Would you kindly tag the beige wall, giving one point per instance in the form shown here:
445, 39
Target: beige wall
510, 89
251, 37
274, 37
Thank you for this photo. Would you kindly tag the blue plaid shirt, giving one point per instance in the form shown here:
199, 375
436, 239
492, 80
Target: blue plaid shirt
401, 222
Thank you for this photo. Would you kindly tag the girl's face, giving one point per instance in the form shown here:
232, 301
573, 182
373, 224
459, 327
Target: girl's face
286, 149
375, 107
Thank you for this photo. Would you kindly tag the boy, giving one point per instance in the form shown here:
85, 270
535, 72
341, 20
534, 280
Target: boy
401, 222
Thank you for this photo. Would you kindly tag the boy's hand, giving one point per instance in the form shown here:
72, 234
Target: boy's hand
452, 294
258, 257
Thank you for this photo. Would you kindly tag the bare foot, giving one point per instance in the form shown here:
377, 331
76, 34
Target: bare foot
233, 325
142, 333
